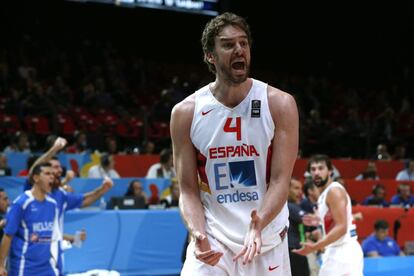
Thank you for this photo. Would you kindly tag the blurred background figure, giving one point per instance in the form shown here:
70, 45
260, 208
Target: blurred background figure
403, 196
80, 144
382, 152
106, 168
408, 173
29, 163
163, 169
296, 233
370, 173
19, 143
148, 147
172, 199
378, 196
5, 170
379, 244
135, 189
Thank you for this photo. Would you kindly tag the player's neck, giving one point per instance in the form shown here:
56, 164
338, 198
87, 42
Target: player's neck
37, 193
230, 94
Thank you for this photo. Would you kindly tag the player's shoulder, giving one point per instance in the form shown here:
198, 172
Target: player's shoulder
336, 190
279, 97
22, 199
186, 106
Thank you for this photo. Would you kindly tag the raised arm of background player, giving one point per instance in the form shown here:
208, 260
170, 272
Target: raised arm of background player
91, 197
185, 163
58, 145
284, 153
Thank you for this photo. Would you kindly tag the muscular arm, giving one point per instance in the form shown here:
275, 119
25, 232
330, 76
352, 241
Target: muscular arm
185, 163
59, 144
336, 201
284, 148
91, 197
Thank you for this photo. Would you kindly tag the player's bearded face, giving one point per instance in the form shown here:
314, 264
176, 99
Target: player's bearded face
320, 174
319, 181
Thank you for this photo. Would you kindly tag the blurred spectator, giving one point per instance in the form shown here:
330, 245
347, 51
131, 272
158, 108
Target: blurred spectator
310, 201
172, 199
296, 232
370, 173
399, 153
19, 143
382, 152
163, 169
106, 168
80, 145
50, 140
384, 126
378, 197
403, 196
29, 163
379, 244
135, 189
4, 206
309, 204
111, 145
148, 148
408, 173
5, 170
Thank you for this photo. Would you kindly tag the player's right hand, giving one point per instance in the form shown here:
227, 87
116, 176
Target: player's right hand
203, 251
60, 143
3, 271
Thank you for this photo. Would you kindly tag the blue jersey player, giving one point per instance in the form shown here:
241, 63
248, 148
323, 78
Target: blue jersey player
31, 233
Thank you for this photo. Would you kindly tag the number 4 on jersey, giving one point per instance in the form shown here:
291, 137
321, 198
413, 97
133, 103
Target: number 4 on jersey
237, 128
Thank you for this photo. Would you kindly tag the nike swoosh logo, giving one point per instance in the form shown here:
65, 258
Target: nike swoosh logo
205, 113
272, 268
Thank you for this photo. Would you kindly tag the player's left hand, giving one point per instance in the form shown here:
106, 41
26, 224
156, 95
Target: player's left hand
307, 248
253, 240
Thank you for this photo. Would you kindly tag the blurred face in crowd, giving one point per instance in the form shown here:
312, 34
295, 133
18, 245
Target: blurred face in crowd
371, 167
23, 142
137, 188
405, 191
320, 173
380, 193
112, 146
381, 234
4, 202
313, 194
295, 191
